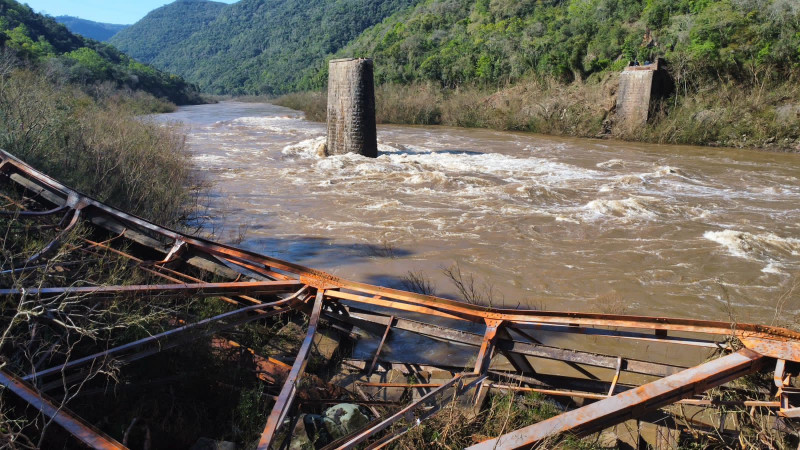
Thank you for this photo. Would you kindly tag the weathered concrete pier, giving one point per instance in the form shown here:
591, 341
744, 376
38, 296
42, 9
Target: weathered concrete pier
638, 87
351, 108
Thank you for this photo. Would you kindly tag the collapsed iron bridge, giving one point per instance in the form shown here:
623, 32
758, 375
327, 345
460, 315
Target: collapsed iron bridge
506, 343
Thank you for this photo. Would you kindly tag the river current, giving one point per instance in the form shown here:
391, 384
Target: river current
535, 221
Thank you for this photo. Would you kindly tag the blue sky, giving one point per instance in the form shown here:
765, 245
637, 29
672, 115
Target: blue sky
109, 11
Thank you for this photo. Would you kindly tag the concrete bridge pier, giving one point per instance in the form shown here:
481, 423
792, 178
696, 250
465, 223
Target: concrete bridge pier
639, 87
351, 108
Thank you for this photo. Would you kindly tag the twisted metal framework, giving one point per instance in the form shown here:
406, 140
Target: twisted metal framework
342, 303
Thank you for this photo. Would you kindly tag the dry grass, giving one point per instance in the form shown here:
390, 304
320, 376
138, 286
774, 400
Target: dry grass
38, 333
313, 104
764, 115
99, 147
612, 303
730, 115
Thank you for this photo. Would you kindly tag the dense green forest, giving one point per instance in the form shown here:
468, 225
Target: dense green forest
551, 67
496, 42
165, 29
69, 58
93, 30
253, 46
259, 46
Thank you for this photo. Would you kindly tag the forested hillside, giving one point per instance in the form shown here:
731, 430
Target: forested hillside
70, 58
551, 67
93, 30
274, 46
164, 29
253, 46
500, 41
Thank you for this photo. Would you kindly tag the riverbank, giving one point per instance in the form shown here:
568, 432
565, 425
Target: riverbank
723, 114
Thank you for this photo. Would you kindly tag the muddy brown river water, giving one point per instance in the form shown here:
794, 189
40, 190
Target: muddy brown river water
539, 221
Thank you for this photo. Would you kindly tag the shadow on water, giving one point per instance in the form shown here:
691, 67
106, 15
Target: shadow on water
403, 283
305, 248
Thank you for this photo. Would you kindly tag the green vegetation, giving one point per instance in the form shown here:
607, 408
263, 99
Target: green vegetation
164, 30
253, 46
551, 67
530, 65
727, 114
69, 107
96, 145
93, 30
67, 58
496, 42
256, 46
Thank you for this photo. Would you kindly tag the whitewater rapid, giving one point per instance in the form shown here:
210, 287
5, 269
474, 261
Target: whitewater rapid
540, 221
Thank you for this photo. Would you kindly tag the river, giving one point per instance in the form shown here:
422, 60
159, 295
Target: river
535, 221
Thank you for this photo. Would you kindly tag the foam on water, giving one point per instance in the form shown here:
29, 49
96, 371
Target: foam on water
631, 208
767, 248
511, 206
421, 164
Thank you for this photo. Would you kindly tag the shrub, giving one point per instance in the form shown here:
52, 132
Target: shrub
98, 147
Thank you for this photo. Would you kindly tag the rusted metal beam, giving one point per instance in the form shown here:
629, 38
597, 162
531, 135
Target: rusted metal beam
769, 341
585, 395
632, 403
172, 338
54, 245
284, 402
487, 347
592, 396
400, 385
574, 365
518, 361
518, 347
73, 424
158, 269
663, 338
24, 213
163, 290
380, 346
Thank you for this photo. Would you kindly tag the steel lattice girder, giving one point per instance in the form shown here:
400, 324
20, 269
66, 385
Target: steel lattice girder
761, 342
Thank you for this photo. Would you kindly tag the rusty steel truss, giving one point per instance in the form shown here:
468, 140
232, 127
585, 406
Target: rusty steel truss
332, 301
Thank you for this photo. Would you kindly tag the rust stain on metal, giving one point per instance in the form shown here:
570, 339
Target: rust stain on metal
343, 303
73, 424
616, 409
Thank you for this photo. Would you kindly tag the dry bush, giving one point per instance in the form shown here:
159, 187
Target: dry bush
417, 104
454, 427
542, 106
313, 104
37, 333
732, 115
790, 296
471, 290
417, 281
720, 113
99, 148
612, 303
